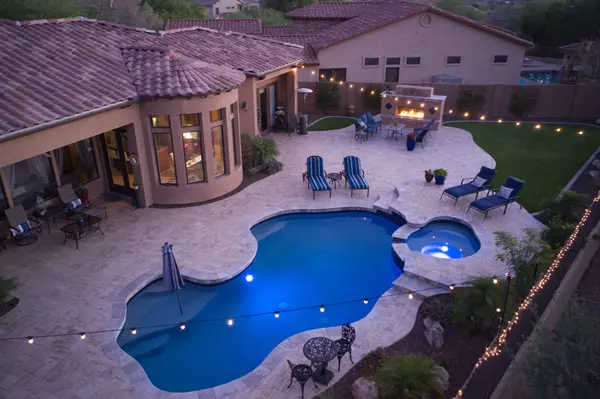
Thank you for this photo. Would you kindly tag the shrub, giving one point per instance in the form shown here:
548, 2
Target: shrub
7, 286
408, 377
522, 102
557, 232
439, 308
273, 166
371, 98
475, 306
257, 150
328, 96
569, 207
470, 101
440, 172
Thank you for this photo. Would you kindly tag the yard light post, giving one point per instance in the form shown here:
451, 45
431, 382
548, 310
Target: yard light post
505, 300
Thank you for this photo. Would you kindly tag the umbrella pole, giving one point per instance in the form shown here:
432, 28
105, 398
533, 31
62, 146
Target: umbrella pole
179, 301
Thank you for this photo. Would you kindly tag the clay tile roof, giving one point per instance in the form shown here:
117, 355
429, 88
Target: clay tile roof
330, 10
161, 72
309, 56
252, 26
288, 30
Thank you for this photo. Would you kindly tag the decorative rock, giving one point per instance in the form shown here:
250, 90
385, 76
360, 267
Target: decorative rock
442, 377
594, 174
596, 163
365, 389
434, 332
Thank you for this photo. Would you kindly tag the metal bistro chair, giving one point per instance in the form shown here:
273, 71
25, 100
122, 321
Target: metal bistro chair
345, 343
302, 373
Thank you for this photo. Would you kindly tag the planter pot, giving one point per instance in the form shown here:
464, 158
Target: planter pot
439, 180
410, 144
79, 222
428, 178
84, 197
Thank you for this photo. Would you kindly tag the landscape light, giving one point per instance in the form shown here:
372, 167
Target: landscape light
538, 126
133, 331
451, 287
558, 129
365, 301
518, 123
498, 310
249, 278
499, 120
276, 315
580, 132
410, 295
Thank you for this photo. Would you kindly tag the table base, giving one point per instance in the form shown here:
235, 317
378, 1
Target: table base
323, 377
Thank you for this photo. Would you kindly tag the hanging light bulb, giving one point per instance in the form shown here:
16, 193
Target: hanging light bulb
82, 335
30, 340
276, 315
133, 331
365, 301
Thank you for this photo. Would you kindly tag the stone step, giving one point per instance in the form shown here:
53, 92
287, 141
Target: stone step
385, 198
420, 287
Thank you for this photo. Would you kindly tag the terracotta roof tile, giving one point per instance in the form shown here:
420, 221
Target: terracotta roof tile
330, 10
288, 30
252, 26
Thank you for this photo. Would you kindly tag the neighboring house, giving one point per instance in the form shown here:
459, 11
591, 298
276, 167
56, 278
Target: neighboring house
581, 62
250, 4
400, 42
86, 101
214, 8
251, 26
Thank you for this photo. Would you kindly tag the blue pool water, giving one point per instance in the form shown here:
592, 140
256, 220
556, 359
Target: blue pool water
302, 260
444, 240
540, 77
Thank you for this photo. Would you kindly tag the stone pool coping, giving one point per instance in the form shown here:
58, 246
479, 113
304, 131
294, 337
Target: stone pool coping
136, 373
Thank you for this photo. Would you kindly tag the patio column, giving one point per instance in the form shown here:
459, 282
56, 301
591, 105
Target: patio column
292, 96
4, 187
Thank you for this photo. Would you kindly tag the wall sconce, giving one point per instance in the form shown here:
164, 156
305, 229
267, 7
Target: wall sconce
245, 105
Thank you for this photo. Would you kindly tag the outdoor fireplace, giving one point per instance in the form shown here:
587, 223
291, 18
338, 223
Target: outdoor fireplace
412, 106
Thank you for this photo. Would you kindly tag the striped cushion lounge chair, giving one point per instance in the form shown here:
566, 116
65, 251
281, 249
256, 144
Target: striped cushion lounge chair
355, 176
315, 174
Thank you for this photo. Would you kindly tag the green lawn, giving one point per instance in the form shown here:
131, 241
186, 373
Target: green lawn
330, 123
544, 158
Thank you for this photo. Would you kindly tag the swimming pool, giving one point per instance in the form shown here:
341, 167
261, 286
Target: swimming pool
540, 77
444, 240
303, 259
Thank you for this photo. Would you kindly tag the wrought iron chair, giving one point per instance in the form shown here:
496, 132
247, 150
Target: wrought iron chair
302, 373
345, 343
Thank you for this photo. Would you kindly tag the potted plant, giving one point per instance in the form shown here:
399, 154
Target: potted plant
411, 141
440, 176
79, 220
428, 175
82, 192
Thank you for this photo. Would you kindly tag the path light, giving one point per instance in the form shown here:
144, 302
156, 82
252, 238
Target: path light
30, 340
365, 301
82, 335
499, 120
580, 132
182, 326
133, 331
249, 278
482, 117
230, 322
276, 315
322, 308
558, 129
538, 126
518, 123
495, 280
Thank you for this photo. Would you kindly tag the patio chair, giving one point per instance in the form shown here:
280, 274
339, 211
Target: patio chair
361, 133
371, 126
476, 185
426, 127
345, 343
302, 373
354, 175
73, 204
292, 124
504, 196
316, 175
421, 137
22, 229
372, 121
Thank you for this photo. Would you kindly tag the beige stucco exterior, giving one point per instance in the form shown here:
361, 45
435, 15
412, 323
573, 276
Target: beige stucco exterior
223, 7
408, 38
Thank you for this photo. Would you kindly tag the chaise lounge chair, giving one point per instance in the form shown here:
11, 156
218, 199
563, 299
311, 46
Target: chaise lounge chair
355, 176
316, 175
22, 229
476, 185
504, 196
74, 205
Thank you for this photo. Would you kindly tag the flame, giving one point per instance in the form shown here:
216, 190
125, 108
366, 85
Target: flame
410, 113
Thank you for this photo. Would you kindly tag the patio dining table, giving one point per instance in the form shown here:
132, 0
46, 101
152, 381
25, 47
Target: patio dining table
320, 351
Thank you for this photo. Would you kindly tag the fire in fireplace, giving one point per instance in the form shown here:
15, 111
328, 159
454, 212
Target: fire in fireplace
405, 112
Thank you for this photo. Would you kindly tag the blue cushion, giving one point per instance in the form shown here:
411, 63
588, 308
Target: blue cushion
20, 229
318, 183
352, 165
463, 189
357, 182
73, 204
489, 202
314, 166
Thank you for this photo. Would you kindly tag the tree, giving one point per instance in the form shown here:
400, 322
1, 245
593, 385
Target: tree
177, 9
328, 96
23, 10
126, 12
459, 7
475, 306
522, 102
267, 16
286, 5
371, 98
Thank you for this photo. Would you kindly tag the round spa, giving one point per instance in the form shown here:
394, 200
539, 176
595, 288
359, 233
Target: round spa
444, 240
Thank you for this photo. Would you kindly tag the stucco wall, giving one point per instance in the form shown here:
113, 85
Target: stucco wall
443, 37
211, 187
222, 6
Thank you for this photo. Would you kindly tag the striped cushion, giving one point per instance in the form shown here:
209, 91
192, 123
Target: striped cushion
352, 165
357, 182
314, 166
318, 183
20, 229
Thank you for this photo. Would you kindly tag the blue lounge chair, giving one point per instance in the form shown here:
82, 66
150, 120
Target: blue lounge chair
469, 188
372, 121
372, 126
355, 176
316, 175
495, 200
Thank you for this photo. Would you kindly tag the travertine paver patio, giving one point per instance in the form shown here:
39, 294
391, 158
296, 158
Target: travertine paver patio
64, 290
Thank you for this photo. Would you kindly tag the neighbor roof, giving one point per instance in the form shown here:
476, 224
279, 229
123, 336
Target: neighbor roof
58, 68
330, 10
252, 26
309, 55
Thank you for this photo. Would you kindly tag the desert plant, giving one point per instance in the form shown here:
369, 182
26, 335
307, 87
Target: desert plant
257, 150
569, 207
439, 308
7, 286
371, 98
440, 172
328, 96
522, 102
557, 232
408, 377
273, 166
475, 305
470, 101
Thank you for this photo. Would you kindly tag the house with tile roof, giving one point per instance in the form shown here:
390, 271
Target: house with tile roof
150, 114
394, 41
214, 8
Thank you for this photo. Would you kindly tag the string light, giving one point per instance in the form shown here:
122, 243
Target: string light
408, 101
82, 335
450, 111
451, 287
351, 85
436, 108
372, 92
133, 331
182, 326
395, 98
276, 315
362, 89
322, 308
230, 322
312, 72
466, 114
294, 69
341, 83
331, 79
302, 66
322, 76
365, 301
30, 340
422, 105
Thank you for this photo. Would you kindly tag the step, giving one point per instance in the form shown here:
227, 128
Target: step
385, 198
417, 286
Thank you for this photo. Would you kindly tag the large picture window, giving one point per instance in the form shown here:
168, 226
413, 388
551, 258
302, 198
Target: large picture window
218, 143
29, 178
163, 146
194, 161
76, 163
332, 74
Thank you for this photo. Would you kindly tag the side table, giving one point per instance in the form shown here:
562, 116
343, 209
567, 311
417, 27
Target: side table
51, 213
334, 178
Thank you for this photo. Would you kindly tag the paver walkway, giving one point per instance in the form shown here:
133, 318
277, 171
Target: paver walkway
65, 290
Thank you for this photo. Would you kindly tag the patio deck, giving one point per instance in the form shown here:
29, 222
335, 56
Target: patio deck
65, 290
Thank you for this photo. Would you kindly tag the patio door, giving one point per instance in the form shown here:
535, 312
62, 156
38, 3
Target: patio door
116, 158
263, 108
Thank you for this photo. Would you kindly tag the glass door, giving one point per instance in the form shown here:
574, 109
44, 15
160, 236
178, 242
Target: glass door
116, 156
263, 110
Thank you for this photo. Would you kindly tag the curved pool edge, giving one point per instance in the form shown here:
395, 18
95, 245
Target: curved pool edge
141, 382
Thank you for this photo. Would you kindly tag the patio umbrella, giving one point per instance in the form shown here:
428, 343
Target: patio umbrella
172, 279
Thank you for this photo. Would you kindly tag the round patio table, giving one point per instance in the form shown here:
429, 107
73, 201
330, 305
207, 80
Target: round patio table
321, 350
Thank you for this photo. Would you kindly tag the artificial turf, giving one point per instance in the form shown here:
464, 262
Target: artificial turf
330, 123
545, 158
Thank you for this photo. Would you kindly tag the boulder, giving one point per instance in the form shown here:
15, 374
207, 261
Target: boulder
442, 377
364, 389
596, 163
594, 174
434, 332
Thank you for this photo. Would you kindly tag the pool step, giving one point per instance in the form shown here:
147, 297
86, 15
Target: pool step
420, 287
385, 199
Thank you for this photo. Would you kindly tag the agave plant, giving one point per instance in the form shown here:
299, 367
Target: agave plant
410, 377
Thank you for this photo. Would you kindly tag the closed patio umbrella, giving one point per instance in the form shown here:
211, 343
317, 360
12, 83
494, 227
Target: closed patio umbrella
172, 279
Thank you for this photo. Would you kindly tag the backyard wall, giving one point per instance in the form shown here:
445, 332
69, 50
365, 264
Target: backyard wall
554, 102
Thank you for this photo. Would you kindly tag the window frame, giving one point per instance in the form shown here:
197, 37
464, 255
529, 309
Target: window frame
160, 127
202, 154
92, 145
237, 159
452, 63
364, 62
406, 64
330, 72
191, 126
387, 63
223, 147
385, 72
156, 157
499, 55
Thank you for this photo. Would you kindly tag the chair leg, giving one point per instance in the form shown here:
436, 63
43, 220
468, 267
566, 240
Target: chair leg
350, 352
339, 362
291, 380
442, 194
368, 192
485, 216
505, 209
313, 380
